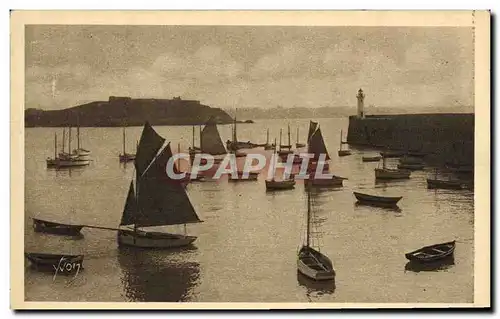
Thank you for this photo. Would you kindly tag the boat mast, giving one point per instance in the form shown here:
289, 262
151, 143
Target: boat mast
55, 145
281, 130
267, 141
274, 159
308, 216
124, 141
289, 141
340, 147
178, 152
297, 135
78, 137
64, 139
193, 137
69, 140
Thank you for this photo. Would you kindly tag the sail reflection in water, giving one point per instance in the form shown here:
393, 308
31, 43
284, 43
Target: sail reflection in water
157, 276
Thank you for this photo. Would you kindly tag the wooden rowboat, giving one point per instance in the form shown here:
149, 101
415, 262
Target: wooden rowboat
315, 265
377, 200
56, 262
410, 166
44, 226
432, 253
371, 158
344, 152
280, 185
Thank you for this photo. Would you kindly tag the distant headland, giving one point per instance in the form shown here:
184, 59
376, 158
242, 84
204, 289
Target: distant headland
125, 111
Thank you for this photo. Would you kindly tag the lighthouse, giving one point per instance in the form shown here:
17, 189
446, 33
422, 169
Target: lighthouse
361, 98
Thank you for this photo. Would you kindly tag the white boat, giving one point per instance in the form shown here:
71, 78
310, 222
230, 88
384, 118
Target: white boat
310, 261
80, 152
298, 144
64, 159
156, 200
389, 173
342, 152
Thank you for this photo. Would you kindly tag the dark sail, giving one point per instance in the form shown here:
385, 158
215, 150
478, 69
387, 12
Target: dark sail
317, 145
163, 201
312, 128
130, 210
211, 143
149, 144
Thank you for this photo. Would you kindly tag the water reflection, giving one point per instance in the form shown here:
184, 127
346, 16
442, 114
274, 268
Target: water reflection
66, 171
154, 275
316, 288
393, 208
439, 265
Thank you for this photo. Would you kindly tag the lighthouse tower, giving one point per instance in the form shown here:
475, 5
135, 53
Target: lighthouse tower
361, 105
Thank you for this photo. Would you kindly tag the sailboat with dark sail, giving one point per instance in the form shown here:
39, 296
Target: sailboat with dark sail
317, 147
156, 199
310, 261
211, 142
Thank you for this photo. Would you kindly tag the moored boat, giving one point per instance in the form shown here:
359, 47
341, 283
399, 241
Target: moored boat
388, 173
310, 261
377, 200
432, 253
371, 158
392, 154
252, 176
125, 157
62, 263
443, 184
410, 166
342, 152
45, 226
158, 201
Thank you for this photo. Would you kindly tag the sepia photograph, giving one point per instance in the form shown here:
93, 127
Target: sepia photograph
314, 159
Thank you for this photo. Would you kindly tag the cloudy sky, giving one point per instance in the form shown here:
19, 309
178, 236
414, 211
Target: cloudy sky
250, 66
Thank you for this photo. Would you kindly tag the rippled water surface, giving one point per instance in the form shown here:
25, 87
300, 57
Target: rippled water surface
246, 247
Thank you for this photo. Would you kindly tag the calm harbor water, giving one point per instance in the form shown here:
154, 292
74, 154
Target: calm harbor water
246, 247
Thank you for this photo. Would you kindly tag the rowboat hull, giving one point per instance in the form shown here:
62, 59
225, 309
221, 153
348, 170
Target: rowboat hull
335, 181
410, 166
381, 173
313, 264
432, 253
436, 183
280, 185
392, 154
377, 200
127, 157
344, 152
142, 239
240, 178
63, 264
299, 145
43, 226
371, 158
67, 163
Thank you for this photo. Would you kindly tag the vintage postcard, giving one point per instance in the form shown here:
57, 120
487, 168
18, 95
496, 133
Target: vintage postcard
250, 159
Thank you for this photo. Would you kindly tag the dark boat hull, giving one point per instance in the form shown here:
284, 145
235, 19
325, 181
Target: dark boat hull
63, 264
435, 183
432, 253
377, 200
44, 226
344, 152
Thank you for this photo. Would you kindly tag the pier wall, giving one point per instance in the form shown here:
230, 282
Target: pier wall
445, 137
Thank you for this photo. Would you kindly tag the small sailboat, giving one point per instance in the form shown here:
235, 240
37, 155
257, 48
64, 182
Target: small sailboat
316, 147
377, 200
211, 142
45, 226
65, 159
252, 176
125, 157
298, 144
310, 261
156, 199
342, 152
285, 150
389, 173
432, 253
274, 184
268, 146
435, 183
83, 154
